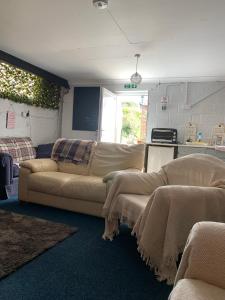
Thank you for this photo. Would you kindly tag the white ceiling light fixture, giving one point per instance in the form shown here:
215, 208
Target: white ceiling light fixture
136, 77
100, 4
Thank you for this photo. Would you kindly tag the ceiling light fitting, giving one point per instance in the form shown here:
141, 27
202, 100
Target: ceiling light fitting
136, 77
100, 4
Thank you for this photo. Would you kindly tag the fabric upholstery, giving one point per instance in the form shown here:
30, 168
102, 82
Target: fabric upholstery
132, 184
16, 170
68, 185
201, 273
172, 209
109, 157
16, 150
40, 165
19, 148
112, 175
203, 171
6, 174
132, 206
192, 289
7, 145
44, 150
25, 148
204, 254
70, 150
6, 169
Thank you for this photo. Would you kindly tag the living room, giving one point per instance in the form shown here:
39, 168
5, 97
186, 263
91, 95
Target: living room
112, 149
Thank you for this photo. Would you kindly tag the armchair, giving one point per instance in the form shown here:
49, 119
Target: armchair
9, 173
201, 274
12, 152
162, 207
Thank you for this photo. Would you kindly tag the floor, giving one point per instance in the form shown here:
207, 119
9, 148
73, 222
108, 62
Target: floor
82, 267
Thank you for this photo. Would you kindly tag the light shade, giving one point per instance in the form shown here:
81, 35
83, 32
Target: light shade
100, 4
136, 78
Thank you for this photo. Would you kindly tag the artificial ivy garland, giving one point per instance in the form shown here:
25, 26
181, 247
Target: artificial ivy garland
23, 87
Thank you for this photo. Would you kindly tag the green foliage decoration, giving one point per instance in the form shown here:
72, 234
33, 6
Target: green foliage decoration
23, 87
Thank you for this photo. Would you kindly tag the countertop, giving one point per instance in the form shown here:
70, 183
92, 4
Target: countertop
182, 145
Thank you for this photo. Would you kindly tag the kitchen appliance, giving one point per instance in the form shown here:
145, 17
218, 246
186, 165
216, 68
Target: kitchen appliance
164, 135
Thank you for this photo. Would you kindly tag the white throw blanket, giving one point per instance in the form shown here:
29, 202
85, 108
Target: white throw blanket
204, 254
185, 191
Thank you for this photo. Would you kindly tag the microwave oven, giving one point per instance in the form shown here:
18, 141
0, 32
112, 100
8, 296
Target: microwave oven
164, 135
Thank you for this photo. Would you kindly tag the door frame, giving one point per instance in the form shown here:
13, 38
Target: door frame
103, 91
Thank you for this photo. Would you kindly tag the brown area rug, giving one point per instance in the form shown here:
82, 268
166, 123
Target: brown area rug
22, 238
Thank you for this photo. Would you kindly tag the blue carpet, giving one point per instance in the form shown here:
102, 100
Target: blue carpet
83, 267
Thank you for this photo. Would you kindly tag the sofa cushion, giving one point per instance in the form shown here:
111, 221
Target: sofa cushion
71, 168
191, 289
7, 145
26, 149
110, 157
131, 206
44, 150
73, 186
19, 148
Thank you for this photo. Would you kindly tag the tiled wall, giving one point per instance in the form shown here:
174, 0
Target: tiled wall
205, 114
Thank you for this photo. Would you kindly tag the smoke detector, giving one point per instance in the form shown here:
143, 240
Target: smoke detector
100, 4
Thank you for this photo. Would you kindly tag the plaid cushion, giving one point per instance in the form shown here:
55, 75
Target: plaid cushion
7, 146
19, 148
25, 148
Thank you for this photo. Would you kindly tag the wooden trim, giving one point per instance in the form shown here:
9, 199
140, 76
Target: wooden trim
17, 62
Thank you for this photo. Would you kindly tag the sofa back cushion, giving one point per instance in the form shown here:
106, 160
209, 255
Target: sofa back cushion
71, 168
195, 170
25, 148
19, 148
110, 157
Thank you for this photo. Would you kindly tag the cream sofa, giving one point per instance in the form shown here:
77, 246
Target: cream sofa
79, 188
201, 274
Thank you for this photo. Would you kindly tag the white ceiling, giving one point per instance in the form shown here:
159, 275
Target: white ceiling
176, 38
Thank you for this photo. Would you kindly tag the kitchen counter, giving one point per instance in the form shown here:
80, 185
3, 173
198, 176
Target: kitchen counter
182, 145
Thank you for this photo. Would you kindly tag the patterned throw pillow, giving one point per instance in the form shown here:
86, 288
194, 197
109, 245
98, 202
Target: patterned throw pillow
19, 148
7, 145
25, 148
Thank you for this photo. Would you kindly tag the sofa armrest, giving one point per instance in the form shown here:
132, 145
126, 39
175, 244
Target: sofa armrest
6, 169
110, 176
204, 254
40, 165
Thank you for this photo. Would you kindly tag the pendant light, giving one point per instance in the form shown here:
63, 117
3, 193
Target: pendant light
100, 4
136, 77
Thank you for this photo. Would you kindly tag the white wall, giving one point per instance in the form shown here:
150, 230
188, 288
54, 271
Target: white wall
41, 126
205, 115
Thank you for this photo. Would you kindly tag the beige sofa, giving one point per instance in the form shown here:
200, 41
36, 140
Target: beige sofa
79, 188
201, 274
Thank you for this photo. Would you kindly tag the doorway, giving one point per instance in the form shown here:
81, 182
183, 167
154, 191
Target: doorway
124, 117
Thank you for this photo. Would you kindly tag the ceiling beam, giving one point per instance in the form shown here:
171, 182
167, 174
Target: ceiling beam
19, 63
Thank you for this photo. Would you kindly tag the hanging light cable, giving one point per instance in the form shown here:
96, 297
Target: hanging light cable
136, 77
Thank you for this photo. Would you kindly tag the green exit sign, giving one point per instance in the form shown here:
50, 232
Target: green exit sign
130, 86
